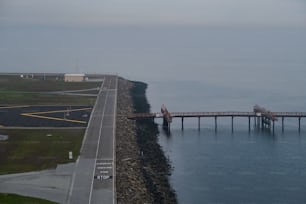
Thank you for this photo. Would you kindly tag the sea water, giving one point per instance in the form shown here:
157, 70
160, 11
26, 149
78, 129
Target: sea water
238, 166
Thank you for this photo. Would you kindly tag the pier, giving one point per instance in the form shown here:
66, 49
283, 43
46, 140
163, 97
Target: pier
262, 117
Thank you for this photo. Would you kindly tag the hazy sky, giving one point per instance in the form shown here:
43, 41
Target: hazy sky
168, 39
156, 12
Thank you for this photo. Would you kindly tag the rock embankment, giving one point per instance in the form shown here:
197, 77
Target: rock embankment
141, 168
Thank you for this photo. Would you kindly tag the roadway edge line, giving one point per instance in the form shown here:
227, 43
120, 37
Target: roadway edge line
114, 145
68, 199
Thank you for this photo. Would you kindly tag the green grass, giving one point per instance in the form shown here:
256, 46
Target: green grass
31, 149
15, 83
19, 98
17, 199
20, 91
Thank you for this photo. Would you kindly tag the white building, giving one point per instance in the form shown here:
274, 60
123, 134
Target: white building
74, 77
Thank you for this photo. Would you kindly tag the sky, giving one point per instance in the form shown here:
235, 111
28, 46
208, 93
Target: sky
152, 39
154, 12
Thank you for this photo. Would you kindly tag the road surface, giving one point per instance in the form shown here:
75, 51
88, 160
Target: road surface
93, 180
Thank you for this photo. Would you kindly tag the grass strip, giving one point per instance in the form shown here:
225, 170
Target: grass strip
6, 198
37, 149
13, 83
19, 98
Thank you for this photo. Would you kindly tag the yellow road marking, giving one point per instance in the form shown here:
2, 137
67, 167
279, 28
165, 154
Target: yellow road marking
8, 107
39, 115
59, 111
53, 118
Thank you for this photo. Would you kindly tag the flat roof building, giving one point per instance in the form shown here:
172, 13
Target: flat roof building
74, 77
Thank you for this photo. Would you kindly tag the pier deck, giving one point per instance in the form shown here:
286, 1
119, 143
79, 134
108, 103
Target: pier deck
262, 117
137, 116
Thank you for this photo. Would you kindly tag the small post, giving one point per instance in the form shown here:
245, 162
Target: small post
232, 123
283, 124
255, 121
165, 123
216, 123
273, 126
70, 155
199, 123
264, 122
258, 121
182, 123
249, 123
299, 124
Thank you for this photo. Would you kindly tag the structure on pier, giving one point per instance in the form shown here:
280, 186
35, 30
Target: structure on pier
167, 118
262, 117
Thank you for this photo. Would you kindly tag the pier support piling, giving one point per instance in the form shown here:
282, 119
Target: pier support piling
199, 123
258, 121
255, 121
232, 123
216, 125
299, 124
182, 123
249, 124
166, 124
282, 124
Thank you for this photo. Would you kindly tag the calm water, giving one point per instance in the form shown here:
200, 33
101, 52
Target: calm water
238, 167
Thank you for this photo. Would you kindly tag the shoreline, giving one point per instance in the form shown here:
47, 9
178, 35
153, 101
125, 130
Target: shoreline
142, 169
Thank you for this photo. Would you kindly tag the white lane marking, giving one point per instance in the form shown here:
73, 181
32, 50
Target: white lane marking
72, 181
102, 163
104, 167
103, 177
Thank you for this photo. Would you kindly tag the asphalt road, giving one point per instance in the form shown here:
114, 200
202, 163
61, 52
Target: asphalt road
50, 184
93, 180
44, 116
